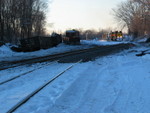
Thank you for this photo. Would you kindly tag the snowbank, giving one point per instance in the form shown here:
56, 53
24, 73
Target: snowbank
5, 51
6, 54
147, 56
100, 42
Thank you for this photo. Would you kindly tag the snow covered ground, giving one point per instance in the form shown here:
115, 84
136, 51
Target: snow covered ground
6, 54
117, 83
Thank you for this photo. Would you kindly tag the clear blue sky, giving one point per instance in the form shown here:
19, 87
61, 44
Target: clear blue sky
85, 14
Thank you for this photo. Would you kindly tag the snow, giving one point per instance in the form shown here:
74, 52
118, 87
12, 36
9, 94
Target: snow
101, 42
142, 40
146, 56
6, 54
5, 51
117, 83
19, 88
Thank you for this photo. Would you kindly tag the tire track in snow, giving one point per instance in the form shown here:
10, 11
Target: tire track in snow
124, 99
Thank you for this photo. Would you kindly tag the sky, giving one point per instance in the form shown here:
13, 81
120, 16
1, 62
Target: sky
81, 14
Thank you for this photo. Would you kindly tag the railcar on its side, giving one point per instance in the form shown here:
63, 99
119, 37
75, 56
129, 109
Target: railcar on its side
38, 42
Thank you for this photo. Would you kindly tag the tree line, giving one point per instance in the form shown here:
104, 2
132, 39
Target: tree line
135, 15
21, 19
91, 34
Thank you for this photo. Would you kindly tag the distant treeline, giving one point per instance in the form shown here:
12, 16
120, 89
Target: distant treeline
21, 19
135, 15
93, 34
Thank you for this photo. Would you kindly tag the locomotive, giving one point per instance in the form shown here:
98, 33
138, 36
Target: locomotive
72, 37
114, 36
38, 42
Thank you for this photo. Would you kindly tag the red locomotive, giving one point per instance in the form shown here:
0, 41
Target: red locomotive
72, 37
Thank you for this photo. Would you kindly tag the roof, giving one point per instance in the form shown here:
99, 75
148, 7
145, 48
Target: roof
71, 31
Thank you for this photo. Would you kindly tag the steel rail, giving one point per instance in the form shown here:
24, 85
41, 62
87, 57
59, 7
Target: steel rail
20, 75
24, 100
42, 59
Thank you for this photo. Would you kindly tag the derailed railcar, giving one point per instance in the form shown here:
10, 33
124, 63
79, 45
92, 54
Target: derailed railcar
29, 44
38, 42
56, 39
72, 37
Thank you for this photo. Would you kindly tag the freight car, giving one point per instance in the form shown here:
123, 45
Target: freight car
72, 37
38, 42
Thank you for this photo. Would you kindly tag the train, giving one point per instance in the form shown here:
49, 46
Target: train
38, 42
115, 36
72, 37
44, 42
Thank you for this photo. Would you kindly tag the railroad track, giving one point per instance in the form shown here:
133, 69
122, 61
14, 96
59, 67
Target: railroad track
95, 53
7, 65
29, 96
25, 73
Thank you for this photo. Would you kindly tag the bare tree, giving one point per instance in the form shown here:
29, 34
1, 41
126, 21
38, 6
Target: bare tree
93, 34
145, 8
2, 20
20, 18
135, 15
